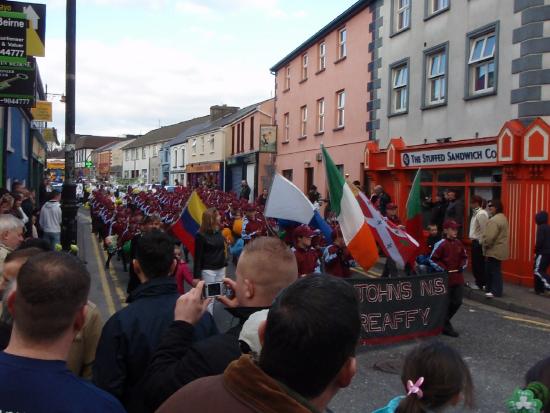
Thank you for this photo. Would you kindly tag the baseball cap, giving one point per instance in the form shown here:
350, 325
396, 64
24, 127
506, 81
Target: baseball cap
450, 224
304, 231
249, 332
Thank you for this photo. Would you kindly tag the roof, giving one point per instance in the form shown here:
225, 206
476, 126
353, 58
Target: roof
212, 126
93, 142
165, 133
193, 130
333, 25
115, 145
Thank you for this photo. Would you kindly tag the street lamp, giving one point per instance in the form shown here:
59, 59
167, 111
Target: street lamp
69, 206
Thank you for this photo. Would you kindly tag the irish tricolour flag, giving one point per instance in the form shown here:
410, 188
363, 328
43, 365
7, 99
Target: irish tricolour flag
356, 232
414, 212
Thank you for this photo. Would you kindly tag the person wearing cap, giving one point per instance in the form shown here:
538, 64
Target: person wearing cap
449, 255
337, 257
306, 256
252, 227
50, 219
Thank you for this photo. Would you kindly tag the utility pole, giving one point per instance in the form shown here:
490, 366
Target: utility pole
69, 205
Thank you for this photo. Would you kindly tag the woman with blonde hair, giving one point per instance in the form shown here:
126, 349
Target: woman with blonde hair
210, 251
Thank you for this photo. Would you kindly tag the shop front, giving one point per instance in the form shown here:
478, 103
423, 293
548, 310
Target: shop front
513, 166
257, 168
205, 174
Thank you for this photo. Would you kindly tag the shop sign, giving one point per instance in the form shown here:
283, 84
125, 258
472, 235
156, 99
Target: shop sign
42, 112
485, 154
17, 82
201, 168
268, 138
31, 37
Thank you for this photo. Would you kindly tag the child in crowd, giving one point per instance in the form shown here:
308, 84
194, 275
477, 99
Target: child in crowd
182, 271
449, 255
542, 253
306, 256
337, 257
435, 377
433, 238
535, 397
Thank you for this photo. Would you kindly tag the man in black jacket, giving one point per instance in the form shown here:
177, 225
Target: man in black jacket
131, 335
265, 267
245, 191
542, 253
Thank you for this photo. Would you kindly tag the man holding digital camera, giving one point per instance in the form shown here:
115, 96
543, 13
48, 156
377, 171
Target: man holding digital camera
265, 267
132, 334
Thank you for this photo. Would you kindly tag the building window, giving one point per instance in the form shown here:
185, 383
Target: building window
175, 165
242, 137
287, 78
155, 150
287, 173
434, 7
287, 126
482, 61
143, 153
401, 15
340, 108
322, 56
305, 61
342, 43
399, 88
435, 80
194, 146
127, 155
233, 140
202, 144
252, 133
211, 141
303, 121
23, 139
182, 161
320, 115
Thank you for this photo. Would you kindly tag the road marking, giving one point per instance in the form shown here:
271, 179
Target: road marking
116, 281
524, 320
103, 278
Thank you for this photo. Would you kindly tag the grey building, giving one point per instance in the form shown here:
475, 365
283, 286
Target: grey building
455, 68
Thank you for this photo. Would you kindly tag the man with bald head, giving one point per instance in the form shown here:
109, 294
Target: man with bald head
266, 266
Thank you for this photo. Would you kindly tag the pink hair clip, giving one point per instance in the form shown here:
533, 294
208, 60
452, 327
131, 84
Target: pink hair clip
414, 388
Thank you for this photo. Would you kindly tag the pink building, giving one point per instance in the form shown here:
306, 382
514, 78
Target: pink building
322, 97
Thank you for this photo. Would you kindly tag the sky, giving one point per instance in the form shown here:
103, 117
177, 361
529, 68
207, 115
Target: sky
144, 64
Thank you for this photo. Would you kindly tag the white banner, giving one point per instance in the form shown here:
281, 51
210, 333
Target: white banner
467, 155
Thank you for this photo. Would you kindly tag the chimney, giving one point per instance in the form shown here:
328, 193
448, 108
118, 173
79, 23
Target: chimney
219, 111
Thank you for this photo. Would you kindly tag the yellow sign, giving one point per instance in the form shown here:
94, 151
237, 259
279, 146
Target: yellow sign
49, 135
42, 111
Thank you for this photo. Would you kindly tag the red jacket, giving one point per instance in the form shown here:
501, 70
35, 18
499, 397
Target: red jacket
338, 261
308, 261
450, 255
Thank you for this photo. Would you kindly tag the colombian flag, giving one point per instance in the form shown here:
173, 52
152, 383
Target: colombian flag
187, 226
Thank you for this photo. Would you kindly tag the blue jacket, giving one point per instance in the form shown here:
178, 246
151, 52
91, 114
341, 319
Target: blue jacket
390, 408
131, 336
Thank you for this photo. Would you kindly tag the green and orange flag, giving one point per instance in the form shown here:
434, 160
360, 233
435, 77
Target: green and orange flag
355, 230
